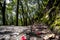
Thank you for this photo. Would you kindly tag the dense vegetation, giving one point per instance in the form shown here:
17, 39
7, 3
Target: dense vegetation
27, 12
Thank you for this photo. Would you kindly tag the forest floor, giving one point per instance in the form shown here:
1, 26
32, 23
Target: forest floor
39, 32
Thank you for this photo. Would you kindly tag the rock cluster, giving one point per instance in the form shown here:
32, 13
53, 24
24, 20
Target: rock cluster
10, 33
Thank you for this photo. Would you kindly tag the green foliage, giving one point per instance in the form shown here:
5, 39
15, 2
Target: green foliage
33, 10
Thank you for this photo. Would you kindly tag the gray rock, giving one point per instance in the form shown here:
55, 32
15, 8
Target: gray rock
7, 37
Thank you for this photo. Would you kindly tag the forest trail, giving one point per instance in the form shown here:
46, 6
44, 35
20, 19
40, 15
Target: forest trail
15, 32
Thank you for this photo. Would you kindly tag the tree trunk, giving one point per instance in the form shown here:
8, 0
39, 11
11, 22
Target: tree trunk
22, 11
17, 13
49, 5
38, 12
27, 11
0, 4
52, 14
3, 12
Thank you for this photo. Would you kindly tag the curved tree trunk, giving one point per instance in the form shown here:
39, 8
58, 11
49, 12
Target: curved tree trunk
52, 14
49, 5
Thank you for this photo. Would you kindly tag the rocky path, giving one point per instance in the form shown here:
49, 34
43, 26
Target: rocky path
11, 32
15, 33
42, 32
